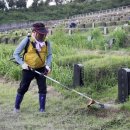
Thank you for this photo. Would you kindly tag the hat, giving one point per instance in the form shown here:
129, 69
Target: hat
40, 28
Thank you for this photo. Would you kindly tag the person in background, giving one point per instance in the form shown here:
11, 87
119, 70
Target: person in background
37, 55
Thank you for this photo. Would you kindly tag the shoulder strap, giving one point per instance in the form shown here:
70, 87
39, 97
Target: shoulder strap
36, 50
26, 47
46, 43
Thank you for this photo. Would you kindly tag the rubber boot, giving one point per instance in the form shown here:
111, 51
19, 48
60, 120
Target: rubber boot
18, 101
42, 102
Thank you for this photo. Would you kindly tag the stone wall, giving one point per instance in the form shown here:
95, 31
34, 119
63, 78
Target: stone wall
106, 17
28, 24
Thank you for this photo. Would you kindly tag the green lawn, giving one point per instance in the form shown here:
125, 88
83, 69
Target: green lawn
62, 113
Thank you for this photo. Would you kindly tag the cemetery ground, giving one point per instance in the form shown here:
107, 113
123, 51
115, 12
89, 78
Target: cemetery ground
64, 109
62, 113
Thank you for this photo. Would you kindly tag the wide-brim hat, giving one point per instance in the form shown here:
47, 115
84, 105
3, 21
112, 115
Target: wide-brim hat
40, 28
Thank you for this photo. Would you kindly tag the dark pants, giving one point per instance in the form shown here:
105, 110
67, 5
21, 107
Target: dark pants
28, 76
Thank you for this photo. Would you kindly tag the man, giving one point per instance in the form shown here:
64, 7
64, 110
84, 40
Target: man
38, 56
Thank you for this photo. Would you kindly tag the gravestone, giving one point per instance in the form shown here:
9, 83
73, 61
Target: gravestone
78, 75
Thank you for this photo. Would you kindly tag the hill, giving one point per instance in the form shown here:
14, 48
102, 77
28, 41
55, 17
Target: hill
65, 109
58, 12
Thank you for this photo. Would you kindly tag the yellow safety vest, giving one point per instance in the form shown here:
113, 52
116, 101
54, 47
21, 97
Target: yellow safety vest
32, 58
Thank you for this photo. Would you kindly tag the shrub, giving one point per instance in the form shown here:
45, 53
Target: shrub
119, 35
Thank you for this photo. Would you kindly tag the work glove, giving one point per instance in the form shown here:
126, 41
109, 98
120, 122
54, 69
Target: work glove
25, 66
47, 70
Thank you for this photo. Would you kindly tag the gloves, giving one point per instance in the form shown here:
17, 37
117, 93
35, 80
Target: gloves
25, 66
47, 70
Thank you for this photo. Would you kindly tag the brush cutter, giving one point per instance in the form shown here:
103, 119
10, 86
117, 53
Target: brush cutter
91, 101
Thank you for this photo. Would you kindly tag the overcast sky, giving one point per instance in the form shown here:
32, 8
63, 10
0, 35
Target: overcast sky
29, 2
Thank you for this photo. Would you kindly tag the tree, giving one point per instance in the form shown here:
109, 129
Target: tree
41, 3
35, 3
80, 1
21, 3
59, 2
2, 5
47, 2
121, 0
11, 3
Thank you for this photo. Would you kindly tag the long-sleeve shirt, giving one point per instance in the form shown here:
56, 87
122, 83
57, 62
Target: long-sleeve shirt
22, 46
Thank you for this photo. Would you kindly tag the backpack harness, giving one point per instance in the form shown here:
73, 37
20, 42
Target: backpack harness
26, 48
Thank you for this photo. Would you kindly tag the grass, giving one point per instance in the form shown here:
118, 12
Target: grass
61, 113
66, 110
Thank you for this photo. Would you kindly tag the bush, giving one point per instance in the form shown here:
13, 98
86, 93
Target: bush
119, 35
102, 73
